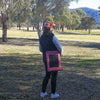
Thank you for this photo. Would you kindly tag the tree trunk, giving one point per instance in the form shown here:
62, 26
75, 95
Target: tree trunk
62, 28
27, 28
39, 29
19, 26
39, 33
4, 35
4, 28
33, 28
89, 31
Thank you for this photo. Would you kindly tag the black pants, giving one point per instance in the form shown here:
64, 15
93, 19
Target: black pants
53, 81
48, 75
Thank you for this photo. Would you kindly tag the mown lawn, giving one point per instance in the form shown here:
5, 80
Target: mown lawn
22, 69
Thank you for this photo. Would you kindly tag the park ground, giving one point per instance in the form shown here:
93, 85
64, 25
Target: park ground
22, 69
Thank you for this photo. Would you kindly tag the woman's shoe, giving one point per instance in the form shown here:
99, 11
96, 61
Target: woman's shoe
43, 94
55, 95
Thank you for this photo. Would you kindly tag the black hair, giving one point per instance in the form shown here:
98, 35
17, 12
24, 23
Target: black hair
47, 33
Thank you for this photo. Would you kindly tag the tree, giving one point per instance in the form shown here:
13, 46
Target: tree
63, 19
40, 11
4, 5
68, 18
43, 8
27, 14
19, 12
75, 20
87, 23
81, 13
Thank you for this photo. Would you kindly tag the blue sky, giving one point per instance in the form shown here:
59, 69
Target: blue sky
85, 3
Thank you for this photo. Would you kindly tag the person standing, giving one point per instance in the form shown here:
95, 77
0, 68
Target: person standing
48, 42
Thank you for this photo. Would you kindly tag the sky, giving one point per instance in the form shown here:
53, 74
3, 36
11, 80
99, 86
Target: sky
94, 4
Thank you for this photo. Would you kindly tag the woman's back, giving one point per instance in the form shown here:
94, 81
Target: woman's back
47, 43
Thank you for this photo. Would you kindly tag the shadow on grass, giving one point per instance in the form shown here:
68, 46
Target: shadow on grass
21, 76
81, 44
20, 42
35, 42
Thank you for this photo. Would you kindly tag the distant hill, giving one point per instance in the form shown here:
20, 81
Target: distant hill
92, 13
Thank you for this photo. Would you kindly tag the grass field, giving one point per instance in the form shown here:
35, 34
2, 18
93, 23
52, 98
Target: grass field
22, 69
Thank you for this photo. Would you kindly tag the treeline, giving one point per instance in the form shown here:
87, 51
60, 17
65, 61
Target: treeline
33, 13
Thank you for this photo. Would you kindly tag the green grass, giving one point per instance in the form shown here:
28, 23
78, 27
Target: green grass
79, 36
93, 32
13, 32
22, 69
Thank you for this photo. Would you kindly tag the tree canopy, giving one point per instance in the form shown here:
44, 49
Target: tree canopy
36, 12
87, 23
